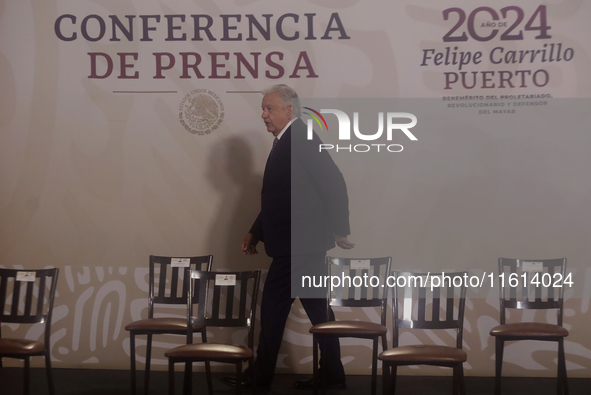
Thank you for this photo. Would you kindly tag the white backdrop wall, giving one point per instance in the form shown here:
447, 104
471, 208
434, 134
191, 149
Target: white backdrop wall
108, 153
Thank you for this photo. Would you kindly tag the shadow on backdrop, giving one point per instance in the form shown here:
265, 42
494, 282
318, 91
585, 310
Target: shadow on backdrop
230, 172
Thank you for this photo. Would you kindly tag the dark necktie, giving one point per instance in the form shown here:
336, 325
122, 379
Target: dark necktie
274, 145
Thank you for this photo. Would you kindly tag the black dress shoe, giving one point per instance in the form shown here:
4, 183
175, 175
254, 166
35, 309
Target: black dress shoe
245, 384
308, 384
231, 381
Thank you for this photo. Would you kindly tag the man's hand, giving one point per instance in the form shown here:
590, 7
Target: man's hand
343, 242
249, 244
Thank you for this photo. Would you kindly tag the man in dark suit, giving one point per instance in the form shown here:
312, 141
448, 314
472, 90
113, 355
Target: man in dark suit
304, 212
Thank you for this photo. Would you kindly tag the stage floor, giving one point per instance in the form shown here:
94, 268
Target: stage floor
117, 382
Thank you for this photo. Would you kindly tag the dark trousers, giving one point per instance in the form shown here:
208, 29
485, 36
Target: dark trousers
275, 307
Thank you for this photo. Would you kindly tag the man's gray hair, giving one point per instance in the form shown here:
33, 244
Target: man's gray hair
288, 95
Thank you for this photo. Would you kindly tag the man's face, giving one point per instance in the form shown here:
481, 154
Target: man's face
276, 113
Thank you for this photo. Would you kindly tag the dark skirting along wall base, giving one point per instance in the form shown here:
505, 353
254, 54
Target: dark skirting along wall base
116, 382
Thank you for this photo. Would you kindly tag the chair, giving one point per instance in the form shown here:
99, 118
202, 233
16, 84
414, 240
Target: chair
418, 302
529, 284
350, 295
26, 297
233, 304
166, 278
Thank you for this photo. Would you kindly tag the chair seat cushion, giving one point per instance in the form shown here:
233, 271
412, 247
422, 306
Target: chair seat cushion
202, 351
161, 324
529, 330
424, 354
349, 328
20, 347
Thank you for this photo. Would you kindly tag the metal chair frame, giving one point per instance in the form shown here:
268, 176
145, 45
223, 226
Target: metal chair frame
524, 270
221, 312
167, 293
424, 321
39, 290
355, 297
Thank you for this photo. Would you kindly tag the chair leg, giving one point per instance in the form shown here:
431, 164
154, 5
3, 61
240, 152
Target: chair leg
393, 379
170, 376
209, 377
207, 365
253, 381
559, 372
132, 356
562, 377
148, 358
499, 347
188, 378
323, 373
315, 377
462, 382
238, 377
374, 366
26, 376
456, 380
385, 378
49, 374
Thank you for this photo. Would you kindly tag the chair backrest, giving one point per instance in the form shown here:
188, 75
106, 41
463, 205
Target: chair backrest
429, 301
167, 283
26, 297
225, 299
357, 282
532, 284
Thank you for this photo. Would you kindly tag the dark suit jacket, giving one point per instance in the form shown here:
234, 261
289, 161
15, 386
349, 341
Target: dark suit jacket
304, 197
